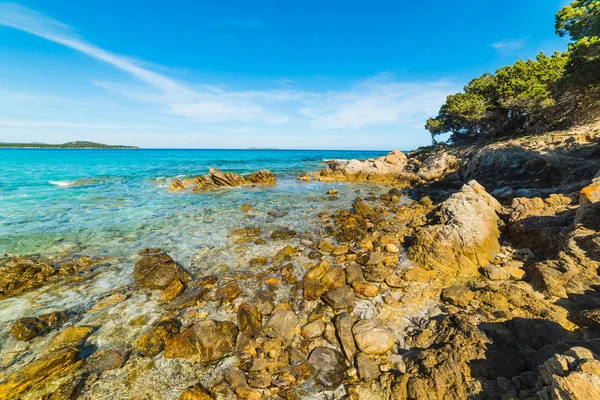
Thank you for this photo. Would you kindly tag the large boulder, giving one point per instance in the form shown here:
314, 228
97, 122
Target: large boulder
21, 274
437, 166
217, 179
372, 337
389, 168
39, 372
465, 237
158, 270
205, 341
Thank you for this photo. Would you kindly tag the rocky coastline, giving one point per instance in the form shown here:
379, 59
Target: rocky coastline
474, 277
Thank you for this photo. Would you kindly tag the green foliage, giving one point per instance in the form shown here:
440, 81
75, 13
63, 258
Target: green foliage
579, 19
532, 95
581, 22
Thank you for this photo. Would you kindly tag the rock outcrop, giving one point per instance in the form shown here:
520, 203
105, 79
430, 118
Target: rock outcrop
390, 168
217, 179
465, 236
157, 270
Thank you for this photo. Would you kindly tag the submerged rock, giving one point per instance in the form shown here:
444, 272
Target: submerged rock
39, 372
205, 340
30, 327
153, 342
158, 271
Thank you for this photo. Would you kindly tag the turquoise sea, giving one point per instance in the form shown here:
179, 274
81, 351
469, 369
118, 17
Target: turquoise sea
111, 203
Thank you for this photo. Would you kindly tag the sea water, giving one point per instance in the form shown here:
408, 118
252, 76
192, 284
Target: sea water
60, 203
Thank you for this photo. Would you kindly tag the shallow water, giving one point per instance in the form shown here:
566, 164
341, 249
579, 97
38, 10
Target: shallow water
112, 203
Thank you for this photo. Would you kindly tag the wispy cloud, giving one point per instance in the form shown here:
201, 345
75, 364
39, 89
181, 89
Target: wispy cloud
55, 124
506, 47
206, 106
377, 101
382, 101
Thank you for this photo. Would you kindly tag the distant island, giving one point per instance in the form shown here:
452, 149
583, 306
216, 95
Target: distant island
69, 145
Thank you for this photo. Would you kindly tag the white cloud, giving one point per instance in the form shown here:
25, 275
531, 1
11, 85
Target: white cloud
208, 105
378, 101
506, 47
379, 106
58, 124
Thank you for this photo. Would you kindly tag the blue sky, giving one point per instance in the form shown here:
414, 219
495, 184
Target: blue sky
331, 74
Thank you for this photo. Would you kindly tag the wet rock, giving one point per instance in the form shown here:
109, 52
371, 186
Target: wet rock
287, 274
260, 379
278, 213
21, 274
282, 324
283, 234
196, 393
40, 371
30, 327
189, 299
228, 292
313, 290
71, 336
313, 329
205, 340
343, 328
339, 298
27, 328
157, 271
285, 254
247, 207
368, 370
354, 273
317, 272
394, 281
363, 208
263, 301
334, 278
248, 232
376, 273
364, 289
153, 342
332, 191
249, 319
371, 258
329, 366
372, 337
106, 359
466, 236
257, 262
174, 289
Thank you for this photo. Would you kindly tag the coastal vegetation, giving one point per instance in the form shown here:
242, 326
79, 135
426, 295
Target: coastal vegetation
532, 96
69, 145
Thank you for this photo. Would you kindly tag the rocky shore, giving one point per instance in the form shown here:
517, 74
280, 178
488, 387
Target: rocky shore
475, 276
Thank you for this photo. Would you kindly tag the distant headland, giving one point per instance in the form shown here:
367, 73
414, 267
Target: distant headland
69, 145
